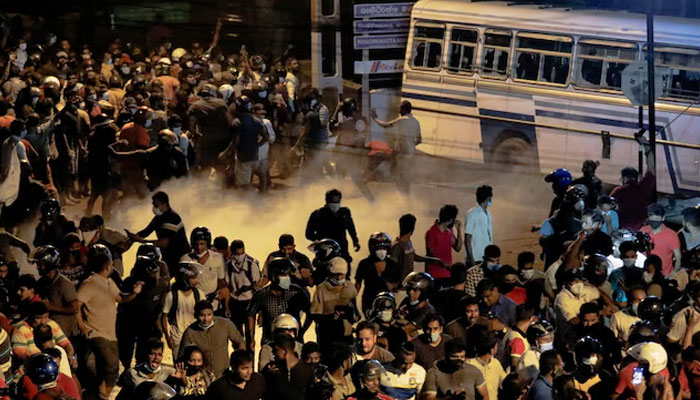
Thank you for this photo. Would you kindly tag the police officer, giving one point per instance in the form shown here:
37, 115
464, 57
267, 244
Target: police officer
332, 221
212, 281
562, 226
53, 225
383, 313
377, 271
367, 376
283, 324
324, 251
589, 357
419, 287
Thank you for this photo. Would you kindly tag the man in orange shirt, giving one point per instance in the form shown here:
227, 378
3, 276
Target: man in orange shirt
134, 135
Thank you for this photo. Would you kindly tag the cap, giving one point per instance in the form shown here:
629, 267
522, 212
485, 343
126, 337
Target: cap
338, 265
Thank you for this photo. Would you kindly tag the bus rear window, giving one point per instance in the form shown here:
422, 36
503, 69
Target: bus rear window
684, 65
543, 58
600, 63
427, 47
462, 50
496, 53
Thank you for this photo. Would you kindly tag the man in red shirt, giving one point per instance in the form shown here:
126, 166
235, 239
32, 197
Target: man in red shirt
665, 242
134, 134
440, 240
634, 196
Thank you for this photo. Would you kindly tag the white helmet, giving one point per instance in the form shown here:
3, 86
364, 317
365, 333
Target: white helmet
284, 322
226, 91
164, 60
337, 265
650, 352
52, 80
177, 53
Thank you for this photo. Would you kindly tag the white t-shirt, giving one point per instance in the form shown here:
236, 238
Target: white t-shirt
264, 149
479, 224
184, 315
213, 271
620, 324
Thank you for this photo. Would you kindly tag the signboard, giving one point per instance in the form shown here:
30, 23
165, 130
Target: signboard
378, 67
380, 42
381, 25
383, 10
635, 82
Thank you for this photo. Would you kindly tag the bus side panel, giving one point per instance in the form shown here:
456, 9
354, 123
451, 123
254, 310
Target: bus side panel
681, 163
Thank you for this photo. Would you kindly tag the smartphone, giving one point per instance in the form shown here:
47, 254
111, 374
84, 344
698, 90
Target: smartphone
638, 376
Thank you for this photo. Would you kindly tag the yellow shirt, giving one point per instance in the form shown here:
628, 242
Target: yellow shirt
493, 374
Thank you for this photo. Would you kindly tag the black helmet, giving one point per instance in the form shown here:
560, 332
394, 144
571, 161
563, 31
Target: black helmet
244, 104
41, 369
643, 331
384, 301
325, 250
422, 281
651, 309
141, 115
46, 258
98, 249
50, 208
151, 390
368, 369
586, 347
595, 268
573, 195
148, 251
348, 107
537, 330
200, 233
279, 266
379, 241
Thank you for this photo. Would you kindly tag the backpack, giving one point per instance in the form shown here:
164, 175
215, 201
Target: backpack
173, 307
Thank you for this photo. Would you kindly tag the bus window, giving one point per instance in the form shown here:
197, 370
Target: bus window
496, 52
600, 63
427, 47
685, 71
462, 50
543, 58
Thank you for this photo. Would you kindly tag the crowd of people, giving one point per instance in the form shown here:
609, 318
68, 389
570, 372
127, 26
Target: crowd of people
614, 313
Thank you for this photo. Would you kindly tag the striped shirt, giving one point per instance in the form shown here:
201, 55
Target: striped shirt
403, 385
23, 345
5, 355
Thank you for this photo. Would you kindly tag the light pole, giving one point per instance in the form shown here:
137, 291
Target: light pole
651, 76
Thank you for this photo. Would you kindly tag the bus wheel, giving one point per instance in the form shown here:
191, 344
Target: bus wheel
516, 153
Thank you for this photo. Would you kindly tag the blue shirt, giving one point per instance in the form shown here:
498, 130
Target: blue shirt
541, 389
503, 310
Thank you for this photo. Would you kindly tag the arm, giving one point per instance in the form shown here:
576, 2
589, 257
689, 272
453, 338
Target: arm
125, 298
353, 232
82, 326
71, 309
457, 245
14, 241
311, 227
468, 248
166, 330
215, 40
383, 124
676, 259
251, 329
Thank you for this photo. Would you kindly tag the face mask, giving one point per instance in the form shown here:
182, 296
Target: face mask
125, 70
35, 100
546, 346
635, 306
92, 97
132, 110
490, 203
654, 224
284, 282
192, 369
52, 40
23, 134
88, 235
414, 302
648, 277
177, 130
334, 207
148, 123
434, 337
507, 287
576, 288
109, 61
386, 315
592, 360
207, 326
262, 94
580, 205
147, 367
239, 258
157, 211
492, 266
527, 273
629, 262
381, 254
451, 225
336, 282
23, 46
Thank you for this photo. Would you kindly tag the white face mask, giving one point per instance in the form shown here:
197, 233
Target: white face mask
88, 235
239, 258
381, 254
576, 288
414, 302
386, 315
157, 211
337, 282
592, 360
207, 326
125, 70
177, 130
262, 94
23, 46
334, 206
546, 346
490, 203
628, 262
648, 277
52, 40
148, 123
527, 273
434, 337
284, 282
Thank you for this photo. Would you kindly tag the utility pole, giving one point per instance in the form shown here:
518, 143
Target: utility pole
651, 76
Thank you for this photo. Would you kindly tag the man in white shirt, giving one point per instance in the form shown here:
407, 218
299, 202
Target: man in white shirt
568, 302
179, 302
212, 280
478, 226
263, 168
404, 378
243, 274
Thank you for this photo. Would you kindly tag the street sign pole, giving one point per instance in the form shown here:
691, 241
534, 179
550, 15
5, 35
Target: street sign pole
651, 75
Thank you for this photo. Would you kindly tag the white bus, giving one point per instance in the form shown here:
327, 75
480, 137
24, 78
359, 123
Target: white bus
536, 85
